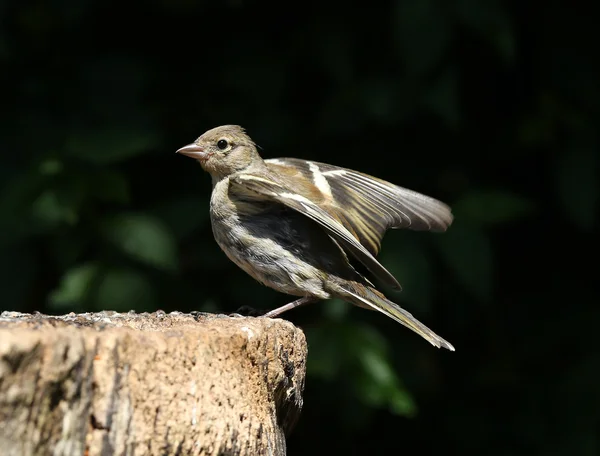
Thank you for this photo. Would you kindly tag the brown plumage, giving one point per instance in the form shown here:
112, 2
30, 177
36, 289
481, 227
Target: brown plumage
291, 223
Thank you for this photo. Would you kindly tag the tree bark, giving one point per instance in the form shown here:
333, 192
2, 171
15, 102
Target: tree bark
148, 384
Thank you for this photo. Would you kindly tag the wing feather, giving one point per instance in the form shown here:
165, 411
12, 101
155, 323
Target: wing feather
366, 206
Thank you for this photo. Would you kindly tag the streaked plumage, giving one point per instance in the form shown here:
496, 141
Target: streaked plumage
291, 223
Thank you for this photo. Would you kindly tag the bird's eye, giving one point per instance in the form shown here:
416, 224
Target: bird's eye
222, 144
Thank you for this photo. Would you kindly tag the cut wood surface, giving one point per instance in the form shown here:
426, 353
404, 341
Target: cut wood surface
148, 384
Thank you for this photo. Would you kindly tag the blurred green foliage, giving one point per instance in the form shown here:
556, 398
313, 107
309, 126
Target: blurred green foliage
491, 106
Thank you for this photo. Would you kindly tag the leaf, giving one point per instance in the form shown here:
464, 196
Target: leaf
468, 252
378, 97
16, 198
74, 287
577, 184
125, 289
422, 34
327, 350
492, 207
51, 167
360, 355
489, 18
377, 383
110, 187
442, 97
410, 264
53, 207
18, 269
185, 215
144, 238
540, 127
336, 309
61, 201
67, 246
110, 145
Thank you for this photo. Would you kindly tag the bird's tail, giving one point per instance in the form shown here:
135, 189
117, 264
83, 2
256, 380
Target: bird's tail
365, 296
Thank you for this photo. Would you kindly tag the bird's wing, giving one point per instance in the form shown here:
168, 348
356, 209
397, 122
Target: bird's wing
366, 206
278, 192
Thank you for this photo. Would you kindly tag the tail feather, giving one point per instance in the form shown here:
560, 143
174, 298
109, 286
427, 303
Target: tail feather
368, 297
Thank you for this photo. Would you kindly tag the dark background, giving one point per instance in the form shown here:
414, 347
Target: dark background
490, 106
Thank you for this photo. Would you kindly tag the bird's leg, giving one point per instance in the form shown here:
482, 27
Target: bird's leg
291, 305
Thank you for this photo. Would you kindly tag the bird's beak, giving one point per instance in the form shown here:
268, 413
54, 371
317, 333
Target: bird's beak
193, 150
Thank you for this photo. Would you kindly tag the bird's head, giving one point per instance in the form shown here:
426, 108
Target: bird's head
223, 151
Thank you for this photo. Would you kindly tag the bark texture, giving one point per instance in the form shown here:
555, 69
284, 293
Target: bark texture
148, 384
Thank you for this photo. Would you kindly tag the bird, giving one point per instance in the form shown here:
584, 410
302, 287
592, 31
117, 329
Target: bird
301, 227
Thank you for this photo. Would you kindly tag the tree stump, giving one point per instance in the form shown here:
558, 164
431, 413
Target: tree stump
148, 384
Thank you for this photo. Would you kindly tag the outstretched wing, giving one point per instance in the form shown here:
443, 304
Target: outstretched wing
275, 191
366, 206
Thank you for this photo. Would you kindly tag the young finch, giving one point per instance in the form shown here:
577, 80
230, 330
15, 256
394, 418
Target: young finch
292, 223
